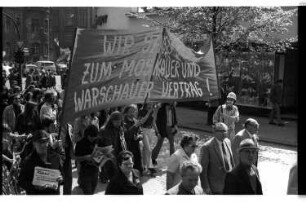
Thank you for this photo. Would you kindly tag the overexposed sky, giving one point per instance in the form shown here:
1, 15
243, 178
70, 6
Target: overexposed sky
137, 3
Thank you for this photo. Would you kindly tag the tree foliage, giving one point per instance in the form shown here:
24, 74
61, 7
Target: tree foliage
232, 28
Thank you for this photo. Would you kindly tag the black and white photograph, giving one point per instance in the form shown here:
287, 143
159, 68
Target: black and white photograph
150, 100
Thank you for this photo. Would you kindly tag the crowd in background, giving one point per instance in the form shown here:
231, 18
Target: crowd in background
34, 136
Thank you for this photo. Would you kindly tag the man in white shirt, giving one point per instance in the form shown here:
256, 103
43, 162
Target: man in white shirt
228, 113
189, 143
48, 109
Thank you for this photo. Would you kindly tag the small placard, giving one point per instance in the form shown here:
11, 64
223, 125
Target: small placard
45, 176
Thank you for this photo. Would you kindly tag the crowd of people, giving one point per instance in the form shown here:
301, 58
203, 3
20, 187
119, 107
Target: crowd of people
34, 136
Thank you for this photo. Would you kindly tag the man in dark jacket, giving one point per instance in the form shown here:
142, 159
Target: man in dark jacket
166, 122
276, 99
244, 178
127, 181
40, 157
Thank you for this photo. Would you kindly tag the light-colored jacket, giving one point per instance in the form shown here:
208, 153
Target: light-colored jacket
211, 160
229, 117
9, 117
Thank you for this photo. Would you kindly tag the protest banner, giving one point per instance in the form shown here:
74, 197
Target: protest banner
110, 68
120, 67
182, 74
45, 176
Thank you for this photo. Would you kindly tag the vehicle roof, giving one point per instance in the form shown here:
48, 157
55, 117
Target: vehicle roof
45, 61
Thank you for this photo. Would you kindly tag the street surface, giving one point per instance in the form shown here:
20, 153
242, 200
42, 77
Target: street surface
273, 165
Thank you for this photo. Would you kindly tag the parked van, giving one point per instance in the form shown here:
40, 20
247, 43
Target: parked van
46, 65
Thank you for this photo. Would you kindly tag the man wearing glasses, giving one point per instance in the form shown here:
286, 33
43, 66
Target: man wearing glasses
127, 180
250, 131
244, 178
216, 160
188, 144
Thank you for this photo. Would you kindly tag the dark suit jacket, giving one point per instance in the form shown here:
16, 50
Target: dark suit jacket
211, 160
237, 182
120, 185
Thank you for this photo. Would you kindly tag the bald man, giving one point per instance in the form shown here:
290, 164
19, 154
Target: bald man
216, 160
251, 127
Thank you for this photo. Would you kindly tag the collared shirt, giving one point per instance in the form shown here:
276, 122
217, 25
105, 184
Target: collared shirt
232, 116
180, 190
176, 160
47, 111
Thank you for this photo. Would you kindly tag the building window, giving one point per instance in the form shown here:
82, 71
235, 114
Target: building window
83, 18
46, 26
35, 49
46, 49
69, 17
35, 25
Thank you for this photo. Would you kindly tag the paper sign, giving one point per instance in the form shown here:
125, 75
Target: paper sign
99, 153
45, 176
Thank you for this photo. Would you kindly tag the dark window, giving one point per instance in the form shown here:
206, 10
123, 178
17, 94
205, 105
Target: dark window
35, 25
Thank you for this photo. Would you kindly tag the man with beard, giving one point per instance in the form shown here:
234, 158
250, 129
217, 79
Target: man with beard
228, 113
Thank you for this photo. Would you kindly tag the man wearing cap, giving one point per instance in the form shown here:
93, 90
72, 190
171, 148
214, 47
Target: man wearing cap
244, 178
40, 157
216, 160
250, 131
228, 113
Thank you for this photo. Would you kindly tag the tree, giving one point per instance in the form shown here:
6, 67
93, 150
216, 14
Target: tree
232, 28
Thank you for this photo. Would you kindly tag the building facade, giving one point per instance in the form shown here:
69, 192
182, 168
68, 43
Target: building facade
42, 30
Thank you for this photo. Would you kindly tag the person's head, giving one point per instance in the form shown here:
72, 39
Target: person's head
48, 125
125, 161
28, 96
220, 131
37, 95
247, 152
91, 133
251, 125
231, 99
115, 120
190, 172
189, 143
16, 99
131, 111
50, 96
40, 141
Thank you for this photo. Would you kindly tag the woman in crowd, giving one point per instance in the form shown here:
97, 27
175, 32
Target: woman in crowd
148, 127
127, 181
133, 134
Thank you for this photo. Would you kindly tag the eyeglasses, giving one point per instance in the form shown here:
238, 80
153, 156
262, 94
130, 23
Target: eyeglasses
194, 146
127, 164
